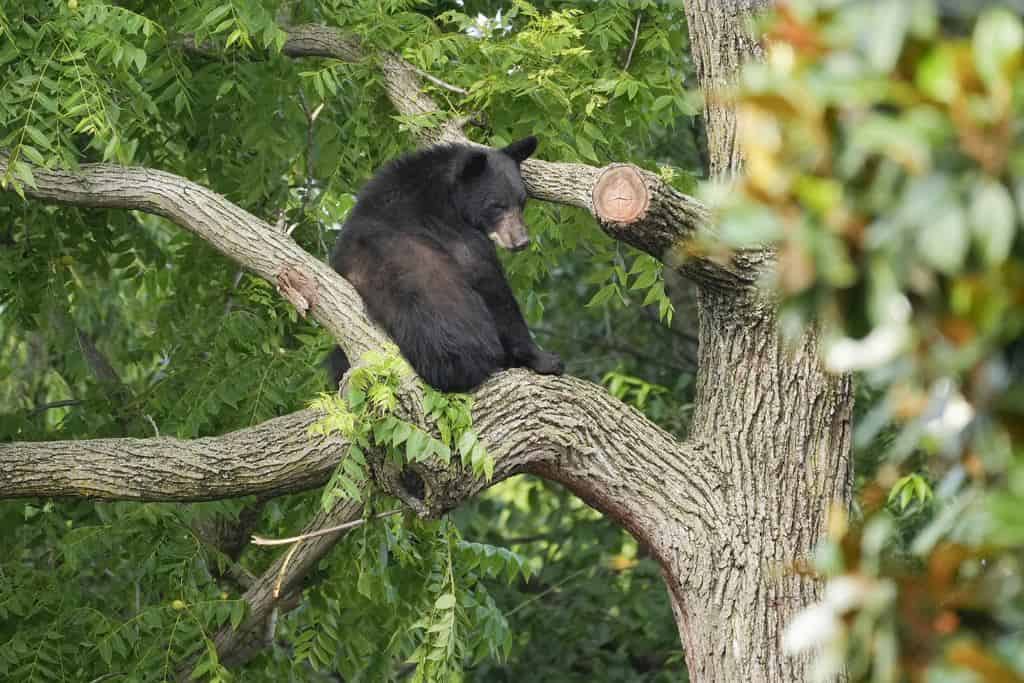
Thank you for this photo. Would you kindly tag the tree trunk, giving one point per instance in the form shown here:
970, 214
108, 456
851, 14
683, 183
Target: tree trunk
777, 427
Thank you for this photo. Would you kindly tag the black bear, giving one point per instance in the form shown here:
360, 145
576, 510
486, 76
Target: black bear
419, 247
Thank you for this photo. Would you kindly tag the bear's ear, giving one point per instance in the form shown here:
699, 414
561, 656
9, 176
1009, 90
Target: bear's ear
473, 165
521, 149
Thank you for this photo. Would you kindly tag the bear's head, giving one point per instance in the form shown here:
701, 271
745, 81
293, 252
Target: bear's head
490, 194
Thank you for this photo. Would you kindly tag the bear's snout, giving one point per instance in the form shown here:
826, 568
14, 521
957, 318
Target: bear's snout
510, 232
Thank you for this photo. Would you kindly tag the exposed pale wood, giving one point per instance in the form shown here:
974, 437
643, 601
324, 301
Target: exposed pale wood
620, 195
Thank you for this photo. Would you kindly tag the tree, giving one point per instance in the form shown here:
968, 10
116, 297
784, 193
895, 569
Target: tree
731, 513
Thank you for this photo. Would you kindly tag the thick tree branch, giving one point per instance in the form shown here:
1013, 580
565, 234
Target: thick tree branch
563, 428
717, 63
275, 457
234, 232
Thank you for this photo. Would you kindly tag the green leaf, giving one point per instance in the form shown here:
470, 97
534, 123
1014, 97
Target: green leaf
38, 137
33, 154
105, 651
662, 102
466, 443
441, 450
401, 433
446, 601
216, 15
603, 295
416, 446
353, 471
645, 280
586, 149
24, 172
350, 488
365, 584
937, 74
140, 60
383, 430
237, 613
655, 294
225, 88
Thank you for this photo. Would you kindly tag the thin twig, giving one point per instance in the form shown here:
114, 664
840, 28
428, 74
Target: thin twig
544, 592
67, 403
260, 540
310, 183
439, 83
284, 570
636, 34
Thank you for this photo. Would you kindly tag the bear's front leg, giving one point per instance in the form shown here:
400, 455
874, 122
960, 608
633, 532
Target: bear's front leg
520, 349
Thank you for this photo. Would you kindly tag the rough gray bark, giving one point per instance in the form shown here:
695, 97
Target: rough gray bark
776, 425
720, 42
530, 423
778, 429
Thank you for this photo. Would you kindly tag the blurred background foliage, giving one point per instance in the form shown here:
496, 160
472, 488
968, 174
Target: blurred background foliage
115, 323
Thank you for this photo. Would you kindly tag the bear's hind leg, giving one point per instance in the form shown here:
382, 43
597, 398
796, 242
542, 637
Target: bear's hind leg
449, 338
441, 325
336, 365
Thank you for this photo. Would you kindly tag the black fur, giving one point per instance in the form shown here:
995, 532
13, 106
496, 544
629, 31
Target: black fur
417, 248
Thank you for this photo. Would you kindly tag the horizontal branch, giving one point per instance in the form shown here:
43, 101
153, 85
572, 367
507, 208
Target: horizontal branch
563, 428
275, 457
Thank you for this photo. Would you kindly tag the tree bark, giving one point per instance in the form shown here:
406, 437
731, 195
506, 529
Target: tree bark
776, 426
720, 42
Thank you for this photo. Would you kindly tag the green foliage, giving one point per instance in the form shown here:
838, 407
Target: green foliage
88, 590
632, 390
885, 166
64, 605
365, 418
595, 607
427, 591
909, 489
